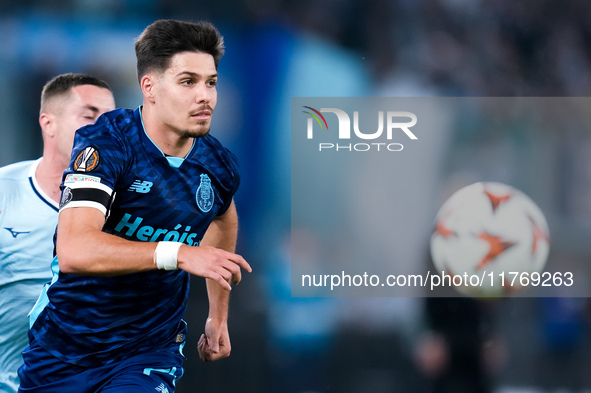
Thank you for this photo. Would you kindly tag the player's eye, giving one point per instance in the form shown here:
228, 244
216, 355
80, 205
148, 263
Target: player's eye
212, 82
186, 82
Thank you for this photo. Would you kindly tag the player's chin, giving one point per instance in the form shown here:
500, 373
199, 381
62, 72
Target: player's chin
197, 132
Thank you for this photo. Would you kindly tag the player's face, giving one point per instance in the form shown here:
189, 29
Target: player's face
185, 94
84, 105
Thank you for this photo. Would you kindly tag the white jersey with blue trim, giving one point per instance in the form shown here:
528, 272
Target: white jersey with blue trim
28, 218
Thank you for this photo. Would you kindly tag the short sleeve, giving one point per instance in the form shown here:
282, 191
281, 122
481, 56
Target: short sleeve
99, 158
231, 163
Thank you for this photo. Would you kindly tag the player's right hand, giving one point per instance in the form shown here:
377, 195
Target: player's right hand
214, 263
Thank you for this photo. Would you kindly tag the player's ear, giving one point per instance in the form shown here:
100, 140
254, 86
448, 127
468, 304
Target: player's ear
47, 122
147, 85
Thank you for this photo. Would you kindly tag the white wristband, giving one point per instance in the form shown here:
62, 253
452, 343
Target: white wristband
165, 255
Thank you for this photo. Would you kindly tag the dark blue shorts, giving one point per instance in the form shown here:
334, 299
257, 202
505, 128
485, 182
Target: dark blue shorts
155, 372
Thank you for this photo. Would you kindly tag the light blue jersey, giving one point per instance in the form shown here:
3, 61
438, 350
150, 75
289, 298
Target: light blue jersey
28, 218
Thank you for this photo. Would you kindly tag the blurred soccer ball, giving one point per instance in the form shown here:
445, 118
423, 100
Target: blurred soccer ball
490, 232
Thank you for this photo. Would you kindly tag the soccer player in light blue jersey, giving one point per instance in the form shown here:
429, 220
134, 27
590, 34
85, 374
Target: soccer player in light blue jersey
146, 202
29, 196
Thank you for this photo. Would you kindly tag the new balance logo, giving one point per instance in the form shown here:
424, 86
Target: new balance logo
143, 187
15, 233
162, 389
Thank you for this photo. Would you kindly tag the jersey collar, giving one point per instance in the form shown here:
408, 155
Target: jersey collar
37, 188
174, 162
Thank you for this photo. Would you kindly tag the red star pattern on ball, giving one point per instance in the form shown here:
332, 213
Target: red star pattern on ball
497, 247
496, 200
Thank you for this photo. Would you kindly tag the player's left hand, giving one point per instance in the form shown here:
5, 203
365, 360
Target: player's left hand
214, 344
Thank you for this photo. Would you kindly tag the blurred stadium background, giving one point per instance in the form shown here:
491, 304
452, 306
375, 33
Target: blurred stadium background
278, 49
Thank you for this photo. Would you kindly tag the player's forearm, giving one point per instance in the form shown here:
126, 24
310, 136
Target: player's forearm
92, 252
222, 233
83, 248
219, 300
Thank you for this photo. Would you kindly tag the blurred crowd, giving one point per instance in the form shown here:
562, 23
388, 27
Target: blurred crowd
452, 47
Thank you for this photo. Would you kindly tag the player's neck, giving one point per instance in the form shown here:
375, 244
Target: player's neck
168, 141
49, 175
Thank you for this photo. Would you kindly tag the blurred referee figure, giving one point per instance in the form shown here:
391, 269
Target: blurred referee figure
29, 196
146, 201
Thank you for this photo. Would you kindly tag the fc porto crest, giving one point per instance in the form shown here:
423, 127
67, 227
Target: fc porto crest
205, 194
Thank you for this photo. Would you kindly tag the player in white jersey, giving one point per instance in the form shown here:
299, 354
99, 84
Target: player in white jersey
29, 196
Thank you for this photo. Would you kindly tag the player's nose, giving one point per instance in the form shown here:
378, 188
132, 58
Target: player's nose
203, 93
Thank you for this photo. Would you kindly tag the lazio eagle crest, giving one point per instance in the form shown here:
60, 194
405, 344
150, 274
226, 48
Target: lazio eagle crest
205, 194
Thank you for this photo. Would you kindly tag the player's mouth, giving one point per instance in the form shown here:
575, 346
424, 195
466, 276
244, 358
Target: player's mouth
203, 114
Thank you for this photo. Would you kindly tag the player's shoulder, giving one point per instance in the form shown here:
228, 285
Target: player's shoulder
120, 118
220, 163
112, 124
14, 178
210, 147
16, 171
111, 134
107, 140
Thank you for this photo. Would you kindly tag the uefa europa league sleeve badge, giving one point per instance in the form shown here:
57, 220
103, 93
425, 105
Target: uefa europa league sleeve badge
205, 194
